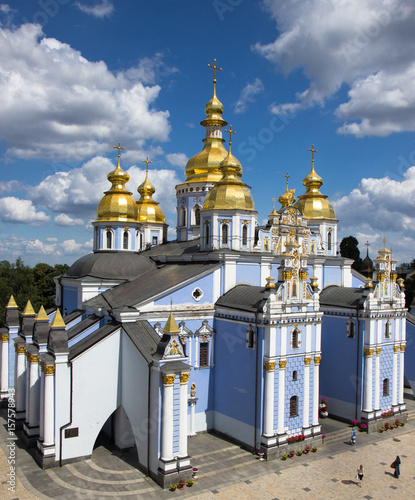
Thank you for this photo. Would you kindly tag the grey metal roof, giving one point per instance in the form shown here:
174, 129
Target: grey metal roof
73, 315
111, 265
339, 296
82, 325
144, 337
243, 297
150, 284
174, 248
92, 339
411, 318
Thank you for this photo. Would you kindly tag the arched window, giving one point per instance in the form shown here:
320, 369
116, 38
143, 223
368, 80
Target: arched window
295, 338
295, 375
250, 333
386, 387
125, 240
245, 235
207, 234
224, 234
182, 216
197, 215
294, 406
388, 329
141, 241
350, 329
109, 239
329, 240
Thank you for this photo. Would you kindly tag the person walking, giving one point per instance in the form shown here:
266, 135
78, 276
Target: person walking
360, 474
397, 463
353, 439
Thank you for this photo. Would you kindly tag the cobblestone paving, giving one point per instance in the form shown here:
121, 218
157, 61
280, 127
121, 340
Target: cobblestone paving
329, 473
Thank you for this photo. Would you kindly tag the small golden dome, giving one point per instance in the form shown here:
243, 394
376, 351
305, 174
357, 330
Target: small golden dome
148, 209
204, 166
117, 204
230, 192
313, 204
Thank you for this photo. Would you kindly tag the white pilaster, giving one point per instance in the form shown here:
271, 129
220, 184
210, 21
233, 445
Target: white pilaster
184, 377
20, 379
33, 418
306, 409
367, 399
281, 396
316, 393
377, 379
167, 422
49, 406
395, 381
4, 367
401, 374
269, 398
42, 406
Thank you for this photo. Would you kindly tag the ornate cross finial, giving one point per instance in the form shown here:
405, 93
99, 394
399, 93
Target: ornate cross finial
273, 202
230, 135
147, 161
384, 241
312, 154
287, 177
119, 149
214, 67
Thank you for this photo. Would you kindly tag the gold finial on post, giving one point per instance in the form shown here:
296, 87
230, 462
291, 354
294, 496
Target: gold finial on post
312, 155
147, 161
119, 154
230, 131
214, 67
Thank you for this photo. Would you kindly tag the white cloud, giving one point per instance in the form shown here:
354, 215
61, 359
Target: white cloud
71, 247
65, 220
79, 191
100, 10
365, 44
59, 106
15, 210
7, 186
13, 247
378, 208
177, 159
248, 94
150, 69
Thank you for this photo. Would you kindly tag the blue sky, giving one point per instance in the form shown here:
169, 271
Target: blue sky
77, 77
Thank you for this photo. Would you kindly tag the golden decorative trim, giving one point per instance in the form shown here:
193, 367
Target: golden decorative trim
378, 350
33, 358
381, 276
20, 349
4, 337
307, 361
368, 352
168, 379
287, 275
283, 362
270, 366
394, 276
395, 348
184, 377
403, 347
303, 275
49, 369
317, 360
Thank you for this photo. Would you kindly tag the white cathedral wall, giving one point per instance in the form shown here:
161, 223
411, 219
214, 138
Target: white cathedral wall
234, 428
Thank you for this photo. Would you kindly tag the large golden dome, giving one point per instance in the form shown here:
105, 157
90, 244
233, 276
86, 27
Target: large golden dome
230, 192
204, 166
117, 204
148, 209
312, 204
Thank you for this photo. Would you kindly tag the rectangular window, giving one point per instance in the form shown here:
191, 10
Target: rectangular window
386, 387
203, 354
155, 240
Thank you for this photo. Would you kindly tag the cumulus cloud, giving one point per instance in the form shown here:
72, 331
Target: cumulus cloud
365, 44
79, 191
7, 186
248, 94
71, 247
150, 69
65, 220
15, 210
57, 105
177, 159
103, 9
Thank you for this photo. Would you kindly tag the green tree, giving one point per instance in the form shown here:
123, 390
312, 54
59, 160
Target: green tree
349, 247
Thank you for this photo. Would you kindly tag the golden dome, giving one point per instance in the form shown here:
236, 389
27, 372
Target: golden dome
314, 205
204, 166
230, 192
148, 209
117, 204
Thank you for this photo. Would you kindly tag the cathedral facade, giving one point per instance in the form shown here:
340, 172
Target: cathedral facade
234, 327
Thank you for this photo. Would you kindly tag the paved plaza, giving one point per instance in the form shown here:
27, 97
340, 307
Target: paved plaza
227, 471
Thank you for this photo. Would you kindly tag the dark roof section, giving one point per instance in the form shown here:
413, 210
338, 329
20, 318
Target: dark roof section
410, 318
74, 314
144, 337
92, 339
243, 297
339, 296
111, 265
174, 248
82, 325
150, 284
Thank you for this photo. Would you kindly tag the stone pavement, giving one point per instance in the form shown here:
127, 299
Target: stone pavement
227, 473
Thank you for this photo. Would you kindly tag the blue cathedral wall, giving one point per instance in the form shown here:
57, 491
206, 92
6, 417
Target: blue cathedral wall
184, 294
340, 370
69, 299
248, 273
386, 371
410, 354
331, 274
235, 372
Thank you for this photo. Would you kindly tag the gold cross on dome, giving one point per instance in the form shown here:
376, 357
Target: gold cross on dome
287, 177
230, 134
273, 202
312, 153
384, 241
147, 161
119, 148
214, 67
